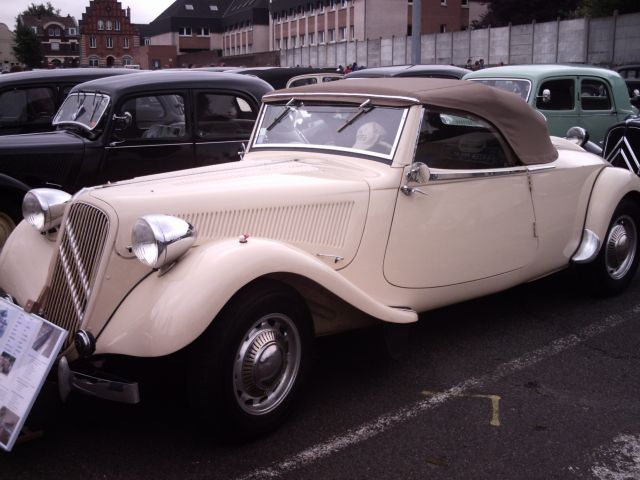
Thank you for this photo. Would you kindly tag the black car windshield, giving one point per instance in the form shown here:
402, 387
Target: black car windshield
84, 109
360, 128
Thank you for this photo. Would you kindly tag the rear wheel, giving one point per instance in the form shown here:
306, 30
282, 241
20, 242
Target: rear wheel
617, 261
248, 367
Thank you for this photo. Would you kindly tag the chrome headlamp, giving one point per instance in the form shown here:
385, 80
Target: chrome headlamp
43, 208
159, 240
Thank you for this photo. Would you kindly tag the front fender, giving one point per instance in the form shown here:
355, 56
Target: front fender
611, 186
9, 183
165, 313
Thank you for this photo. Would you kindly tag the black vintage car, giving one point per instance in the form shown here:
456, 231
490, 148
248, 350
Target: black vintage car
29, 100
121, 127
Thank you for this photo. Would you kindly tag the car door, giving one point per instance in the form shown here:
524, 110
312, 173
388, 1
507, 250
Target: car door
597, 107
556, 99
471, 219
223, 122
157, 137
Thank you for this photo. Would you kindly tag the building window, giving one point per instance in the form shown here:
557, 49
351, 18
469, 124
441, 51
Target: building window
55, 46
126, 60
125, 42
100, 24
185, 31
333, 4
464, 3
443, 28
352, 33
188, 6
311, 39
93, 43
109, 42
147, 41
94, 62
321, 37
109, 25
213, 8
34, 30
54, 31
332, 35
117, 24
72, 31
302, 39
443, 3
204, 32
343, 33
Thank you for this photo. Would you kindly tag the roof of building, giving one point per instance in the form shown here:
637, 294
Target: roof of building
523, 128
44, 20
189, 13
255, 11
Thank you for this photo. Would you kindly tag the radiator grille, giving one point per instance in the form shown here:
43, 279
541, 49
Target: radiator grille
79, 253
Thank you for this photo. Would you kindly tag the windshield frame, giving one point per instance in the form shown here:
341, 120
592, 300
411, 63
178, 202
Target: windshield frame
97, 95
262, 126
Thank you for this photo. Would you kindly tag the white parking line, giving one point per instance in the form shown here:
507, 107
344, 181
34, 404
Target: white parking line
389, 420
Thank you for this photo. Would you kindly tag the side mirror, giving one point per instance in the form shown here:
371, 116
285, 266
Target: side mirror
546, 95
419, 173
122, 122
577, 135
635, 100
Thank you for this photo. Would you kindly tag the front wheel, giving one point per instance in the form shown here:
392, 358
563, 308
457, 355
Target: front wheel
248, 367
617, 261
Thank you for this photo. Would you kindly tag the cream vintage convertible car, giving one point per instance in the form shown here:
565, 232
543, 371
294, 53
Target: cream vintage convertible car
357, 201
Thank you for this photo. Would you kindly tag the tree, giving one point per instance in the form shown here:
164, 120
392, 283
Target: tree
604, 8
41, 10
26, 46
517, 12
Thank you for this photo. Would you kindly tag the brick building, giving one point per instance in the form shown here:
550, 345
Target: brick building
59, 38
107, 36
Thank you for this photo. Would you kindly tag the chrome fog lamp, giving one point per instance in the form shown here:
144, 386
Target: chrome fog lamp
159, 240
43, 207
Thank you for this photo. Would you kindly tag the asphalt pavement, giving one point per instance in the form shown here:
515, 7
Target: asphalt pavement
540, 382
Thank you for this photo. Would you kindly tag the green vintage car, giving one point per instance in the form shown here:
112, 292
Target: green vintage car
567, 95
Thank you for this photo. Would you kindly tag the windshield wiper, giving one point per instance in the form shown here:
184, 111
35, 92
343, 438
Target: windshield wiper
289, 107
362, 109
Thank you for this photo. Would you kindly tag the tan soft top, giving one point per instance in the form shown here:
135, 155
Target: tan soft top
524, 128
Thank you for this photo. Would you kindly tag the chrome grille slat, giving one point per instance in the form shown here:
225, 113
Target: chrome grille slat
82, 243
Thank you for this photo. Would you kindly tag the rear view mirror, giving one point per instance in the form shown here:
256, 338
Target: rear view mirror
122, 122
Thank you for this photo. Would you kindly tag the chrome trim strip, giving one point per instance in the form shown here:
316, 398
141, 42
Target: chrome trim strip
441, 175
82, 273
325, 94
72, 288
588, 249
540, 168
151, 145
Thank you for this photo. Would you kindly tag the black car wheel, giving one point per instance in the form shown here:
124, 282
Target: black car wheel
248, 367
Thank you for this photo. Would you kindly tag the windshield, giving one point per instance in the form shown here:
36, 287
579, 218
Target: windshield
363, 128
84, 109
518, 86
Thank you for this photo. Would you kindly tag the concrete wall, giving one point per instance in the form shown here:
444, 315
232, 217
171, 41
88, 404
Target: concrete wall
606, 41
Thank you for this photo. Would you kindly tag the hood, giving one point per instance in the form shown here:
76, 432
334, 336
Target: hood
39, 159
313, 203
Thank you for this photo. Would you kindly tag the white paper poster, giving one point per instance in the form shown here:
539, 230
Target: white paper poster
29, 346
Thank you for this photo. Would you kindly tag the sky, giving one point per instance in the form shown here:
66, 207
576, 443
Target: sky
142, 11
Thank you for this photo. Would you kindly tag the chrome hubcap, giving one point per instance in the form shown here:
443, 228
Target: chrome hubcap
266, 364
620, 249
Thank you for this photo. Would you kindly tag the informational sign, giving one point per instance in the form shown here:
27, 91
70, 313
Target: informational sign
29, 346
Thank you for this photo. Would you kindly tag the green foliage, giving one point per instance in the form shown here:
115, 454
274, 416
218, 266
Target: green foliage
41, 9
26, 47
517, 12
605, 8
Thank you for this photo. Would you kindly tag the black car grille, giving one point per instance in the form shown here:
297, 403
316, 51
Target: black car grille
81, 247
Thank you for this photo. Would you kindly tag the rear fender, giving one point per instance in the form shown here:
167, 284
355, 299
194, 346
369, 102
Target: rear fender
165, 313
611, 186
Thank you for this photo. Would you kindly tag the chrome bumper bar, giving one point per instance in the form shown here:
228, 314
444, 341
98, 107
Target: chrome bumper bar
117, 391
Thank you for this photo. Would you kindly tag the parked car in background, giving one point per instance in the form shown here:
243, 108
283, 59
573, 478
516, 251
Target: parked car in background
427, 71
121, 127
313, 78
631, 75
29, 100
358, 202
567, 95
622, 145
278, 77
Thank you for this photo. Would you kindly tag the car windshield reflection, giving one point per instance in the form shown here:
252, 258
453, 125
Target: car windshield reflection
84, 109
364, 129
